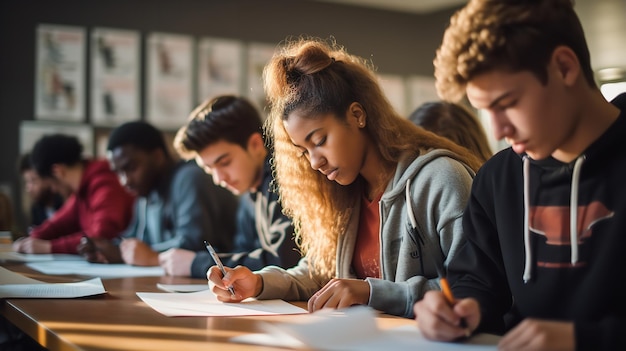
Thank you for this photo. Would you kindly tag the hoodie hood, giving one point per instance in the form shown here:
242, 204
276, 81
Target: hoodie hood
410, 166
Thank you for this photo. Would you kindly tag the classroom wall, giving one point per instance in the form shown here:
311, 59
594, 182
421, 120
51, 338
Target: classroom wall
397, 43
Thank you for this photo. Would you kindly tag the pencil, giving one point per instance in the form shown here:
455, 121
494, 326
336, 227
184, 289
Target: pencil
218, 262
447, 293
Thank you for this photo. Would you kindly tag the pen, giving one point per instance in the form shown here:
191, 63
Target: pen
218, 262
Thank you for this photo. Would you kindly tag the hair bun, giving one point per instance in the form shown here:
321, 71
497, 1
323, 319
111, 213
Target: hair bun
293, 75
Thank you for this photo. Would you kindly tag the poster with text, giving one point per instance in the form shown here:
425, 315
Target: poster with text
395, 90
114, 76
258, 56
32, 131
169, 79
60, 73
220, 65
421, 89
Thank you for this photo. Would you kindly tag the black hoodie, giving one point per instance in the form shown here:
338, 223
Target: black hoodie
533, 271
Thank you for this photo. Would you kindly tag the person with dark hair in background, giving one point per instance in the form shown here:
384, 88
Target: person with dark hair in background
98, 207
178, 206
6, 213
224, 134
546, 220
455, 122
44, 200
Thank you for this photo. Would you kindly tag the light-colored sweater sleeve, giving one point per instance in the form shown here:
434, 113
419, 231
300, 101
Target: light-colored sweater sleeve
293, 284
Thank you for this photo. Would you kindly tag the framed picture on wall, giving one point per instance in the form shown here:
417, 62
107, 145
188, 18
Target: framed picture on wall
258, 56
220, 68
169, 79
32, 131
394, 88
60, 73
115, 82
421, 89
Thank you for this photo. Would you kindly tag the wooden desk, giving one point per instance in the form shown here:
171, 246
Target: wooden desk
119, 320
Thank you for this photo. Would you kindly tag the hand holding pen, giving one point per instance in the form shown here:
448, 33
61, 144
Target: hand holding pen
219, 264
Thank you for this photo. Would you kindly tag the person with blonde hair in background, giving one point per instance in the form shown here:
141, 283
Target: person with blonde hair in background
346, 164
455, 122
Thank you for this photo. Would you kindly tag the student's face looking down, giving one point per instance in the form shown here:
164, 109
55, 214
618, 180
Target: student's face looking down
534, 118
39, 189
233, 167
138, 170
334, 147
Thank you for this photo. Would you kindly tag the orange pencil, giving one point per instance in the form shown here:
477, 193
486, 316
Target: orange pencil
447, 293
445, 289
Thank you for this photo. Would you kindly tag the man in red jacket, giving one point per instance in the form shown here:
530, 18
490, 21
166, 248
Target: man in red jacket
99, 206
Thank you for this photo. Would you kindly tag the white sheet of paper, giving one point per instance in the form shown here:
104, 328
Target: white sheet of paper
182, 288
21, 257
53, 290
204, 303
95, 269
10, 277
355, 329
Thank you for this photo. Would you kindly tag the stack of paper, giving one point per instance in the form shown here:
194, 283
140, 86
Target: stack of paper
21, 257
17, 286
95, 269
204, 303
355, 329
183, 288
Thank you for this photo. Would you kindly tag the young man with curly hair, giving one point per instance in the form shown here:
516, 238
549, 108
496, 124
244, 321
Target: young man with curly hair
546, 218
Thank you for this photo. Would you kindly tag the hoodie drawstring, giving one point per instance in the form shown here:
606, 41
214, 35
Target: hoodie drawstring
573, 209
527, 256
417, 239
573, 214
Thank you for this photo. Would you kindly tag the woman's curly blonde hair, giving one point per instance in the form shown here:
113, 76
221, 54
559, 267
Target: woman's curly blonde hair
317, 77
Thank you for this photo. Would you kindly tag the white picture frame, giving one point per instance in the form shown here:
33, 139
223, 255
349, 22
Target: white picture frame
259, 55
394, 88
32, 131
220, 68
421, 89
115, 76
60, 73
169, 79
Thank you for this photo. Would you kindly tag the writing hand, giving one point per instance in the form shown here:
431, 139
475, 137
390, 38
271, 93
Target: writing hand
177, 262
138, 253
437, 320
32, 246
534, 334
244, 282
340, 293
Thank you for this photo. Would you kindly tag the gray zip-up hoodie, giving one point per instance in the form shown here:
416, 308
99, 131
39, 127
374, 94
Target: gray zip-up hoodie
439, 190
